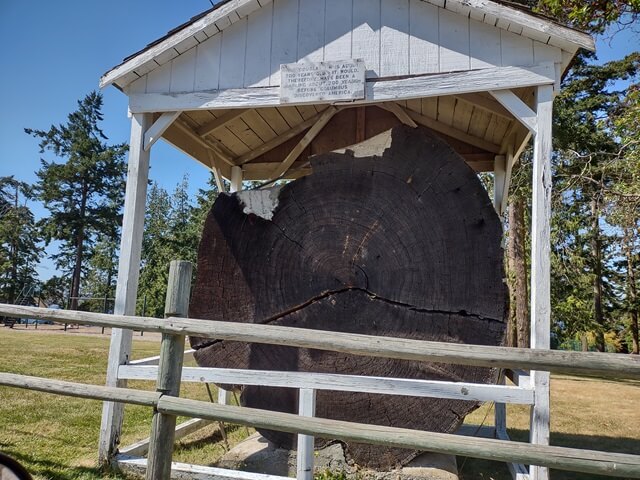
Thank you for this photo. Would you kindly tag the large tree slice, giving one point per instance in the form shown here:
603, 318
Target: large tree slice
394, 237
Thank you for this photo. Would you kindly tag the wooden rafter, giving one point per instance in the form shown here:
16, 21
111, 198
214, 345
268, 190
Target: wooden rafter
453, 132
304, 142
215, 146
400, 113
220, 122
485, 103
279, 140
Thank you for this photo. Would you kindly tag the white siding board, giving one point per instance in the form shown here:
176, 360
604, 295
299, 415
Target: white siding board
394, 40
393, 37
257, 63
485, 47
546, 53
232, 54
516, 49
201, 36
208, 64
159, 80
423, 40
454, 41
166, 56
337, 29
366, 35
311, 31
183, 72
284, 38
139, 86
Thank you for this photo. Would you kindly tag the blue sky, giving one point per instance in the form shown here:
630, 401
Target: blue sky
55, 52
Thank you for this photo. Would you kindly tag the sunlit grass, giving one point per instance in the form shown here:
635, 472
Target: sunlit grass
56, 437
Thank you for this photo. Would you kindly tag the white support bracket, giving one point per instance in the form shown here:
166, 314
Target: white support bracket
518, 108
153, 134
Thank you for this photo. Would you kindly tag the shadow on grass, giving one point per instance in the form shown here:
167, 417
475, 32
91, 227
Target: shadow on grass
50, 469
477, 469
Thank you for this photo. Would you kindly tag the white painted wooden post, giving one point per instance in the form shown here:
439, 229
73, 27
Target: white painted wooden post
128, 273
499, 182
540, 268
500, 415
236, 179
224, 396
304, 460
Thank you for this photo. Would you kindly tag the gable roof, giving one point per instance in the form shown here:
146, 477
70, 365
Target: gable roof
501, 14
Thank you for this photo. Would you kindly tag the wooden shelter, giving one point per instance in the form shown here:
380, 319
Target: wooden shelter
482, 74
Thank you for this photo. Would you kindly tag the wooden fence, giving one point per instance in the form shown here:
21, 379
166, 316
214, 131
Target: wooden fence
169, 373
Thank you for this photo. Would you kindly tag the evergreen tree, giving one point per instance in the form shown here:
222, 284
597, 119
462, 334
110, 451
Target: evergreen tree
156, 253
19, 238
588, 155
84, 193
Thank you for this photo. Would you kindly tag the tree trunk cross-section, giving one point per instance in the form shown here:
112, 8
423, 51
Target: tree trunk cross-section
394, 237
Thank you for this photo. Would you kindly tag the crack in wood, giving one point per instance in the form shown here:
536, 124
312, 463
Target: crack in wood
373, 296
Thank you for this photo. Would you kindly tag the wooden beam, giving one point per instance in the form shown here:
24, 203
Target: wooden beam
517, 107
304, 142
216, 173
219, 122
342, 383
236, 179
198, 151
541, 268
499, 182
400, 113
276, 142
128, 275
507, 179
185, 428
377, 90
153, 134
485, 103
572, 363
361, 124
262, 171
572, 459
163, 426
214, 145
454, 132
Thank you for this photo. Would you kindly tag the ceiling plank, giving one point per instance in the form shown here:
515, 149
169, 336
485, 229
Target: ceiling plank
454, 132
220, 122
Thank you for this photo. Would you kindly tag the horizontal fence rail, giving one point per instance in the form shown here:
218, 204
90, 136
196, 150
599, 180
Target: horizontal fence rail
585, 461
580, 363
343, 383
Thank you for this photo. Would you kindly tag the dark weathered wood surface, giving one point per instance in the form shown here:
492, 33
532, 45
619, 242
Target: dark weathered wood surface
400, 241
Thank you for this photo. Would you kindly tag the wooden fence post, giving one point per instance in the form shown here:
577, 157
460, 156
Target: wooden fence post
169, 372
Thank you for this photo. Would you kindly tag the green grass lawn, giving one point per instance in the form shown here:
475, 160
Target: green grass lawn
56, 437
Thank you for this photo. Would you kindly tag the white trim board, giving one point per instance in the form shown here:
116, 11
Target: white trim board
482, 80
344, 383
